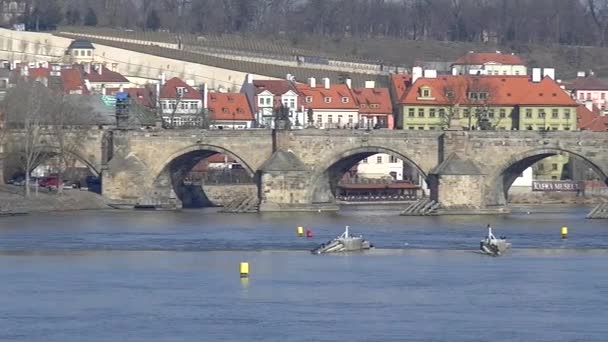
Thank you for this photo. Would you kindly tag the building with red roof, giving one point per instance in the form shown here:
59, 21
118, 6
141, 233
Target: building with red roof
180, 103
267, 97
375, 107
97, 77
141, 96
494, 63
591, 119
230, 111
503, 102
329, 105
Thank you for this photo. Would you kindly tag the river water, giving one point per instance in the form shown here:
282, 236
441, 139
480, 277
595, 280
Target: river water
173, 276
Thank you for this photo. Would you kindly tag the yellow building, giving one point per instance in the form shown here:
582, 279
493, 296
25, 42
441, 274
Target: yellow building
486, 102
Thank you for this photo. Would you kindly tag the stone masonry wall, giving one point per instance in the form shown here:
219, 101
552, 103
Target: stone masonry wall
224, 194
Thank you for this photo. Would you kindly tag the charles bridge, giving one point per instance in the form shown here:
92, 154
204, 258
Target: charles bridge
299, 169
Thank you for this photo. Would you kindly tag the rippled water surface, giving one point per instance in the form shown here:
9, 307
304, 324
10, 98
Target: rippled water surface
173, 276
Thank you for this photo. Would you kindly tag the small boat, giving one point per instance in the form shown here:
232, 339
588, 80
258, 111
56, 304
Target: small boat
343, 243
493, 246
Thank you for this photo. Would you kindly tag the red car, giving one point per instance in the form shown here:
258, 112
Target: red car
50, 182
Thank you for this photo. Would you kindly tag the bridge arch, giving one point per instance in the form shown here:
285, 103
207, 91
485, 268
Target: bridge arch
171, 173
507, 172
329, 171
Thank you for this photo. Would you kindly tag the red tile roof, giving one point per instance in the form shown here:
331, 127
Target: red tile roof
503, 90
222, 106
586, 83
169, 90
591, 120
140, 95
400, 83
35, 73
477, 58
373, 101
336, 93
73, 81
106, 76
276, 87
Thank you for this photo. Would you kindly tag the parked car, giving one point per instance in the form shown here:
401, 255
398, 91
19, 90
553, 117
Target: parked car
50, 182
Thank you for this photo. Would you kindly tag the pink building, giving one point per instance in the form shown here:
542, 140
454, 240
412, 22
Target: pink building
587, 87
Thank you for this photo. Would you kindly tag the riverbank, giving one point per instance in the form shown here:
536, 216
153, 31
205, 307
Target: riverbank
12, 200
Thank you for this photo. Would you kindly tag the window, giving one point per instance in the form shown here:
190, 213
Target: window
603, 96
327, 100
503, 113
554, 114
529, 113
504, 72
330, 118
308, 99
194, 105
183, 105
588, 96
491, 113
541, 167
76, 53
350, 119
420, 128
420, 112
432, 112
411, 127
393, 160
554, 167
289, 103
483, 95
319, 118
466, 112
164, 105
339, 118
364, 161
567, 114
473, 96
265, 101
180, 91
344, 99
379, 160
581, 96
541, 113
89, 53
432, 128
441, 112
517, 72
411, 112
374, 106
425, 92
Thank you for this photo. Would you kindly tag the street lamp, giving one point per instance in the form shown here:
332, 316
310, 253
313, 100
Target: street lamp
233, 118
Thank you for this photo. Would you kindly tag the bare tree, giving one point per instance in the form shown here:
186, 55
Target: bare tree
26, 107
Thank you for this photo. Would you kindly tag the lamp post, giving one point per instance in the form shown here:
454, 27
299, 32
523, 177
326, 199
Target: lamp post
233, 118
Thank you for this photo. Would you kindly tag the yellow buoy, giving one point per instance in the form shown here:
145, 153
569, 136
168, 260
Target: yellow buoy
300, 231
244, 269
564, 232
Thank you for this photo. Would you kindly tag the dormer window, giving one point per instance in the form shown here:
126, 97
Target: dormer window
374, 106
327, 100
344, 99
239, 110
225, 110
425, 92
180, 91
308, 99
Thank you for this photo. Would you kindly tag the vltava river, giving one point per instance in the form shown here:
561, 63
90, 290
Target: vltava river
173, 276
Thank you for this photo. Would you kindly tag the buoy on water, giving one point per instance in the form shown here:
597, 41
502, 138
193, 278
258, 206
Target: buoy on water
300, 231
308, 233
244, 269
564, 232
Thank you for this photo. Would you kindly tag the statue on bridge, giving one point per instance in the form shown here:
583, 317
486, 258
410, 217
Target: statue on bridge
281, 117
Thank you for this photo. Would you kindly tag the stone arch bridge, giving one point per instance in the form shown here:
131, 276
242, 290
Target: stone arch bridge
298, 170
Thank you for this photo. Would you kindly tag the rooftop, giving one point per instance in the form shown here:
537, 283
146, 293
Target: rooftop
81, 44
479, 58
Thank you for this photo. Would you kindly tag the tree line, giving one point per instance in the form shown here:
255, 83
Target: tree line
571, 22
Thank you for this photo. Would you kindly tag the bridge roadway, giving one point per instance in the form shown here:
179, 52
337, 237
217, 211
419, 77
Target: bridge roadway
299, 169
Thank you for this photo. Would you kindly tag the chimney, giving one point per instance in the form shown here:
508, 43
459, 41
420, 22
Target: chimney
121, 89
87, 83
205, 96
549, 72
536, 75
157, 94
100, 69
349, 83
580, 74
163, 79
288, 77
190, 83
416, 74
589, 105
430, 73
87, 68
249, 79
326, 83
370, 84
312, 82
103, 90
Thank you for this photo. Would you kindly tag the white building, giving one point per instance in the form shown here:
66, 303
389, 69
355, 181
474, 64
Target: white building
267, 96
381, 166
497, 63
